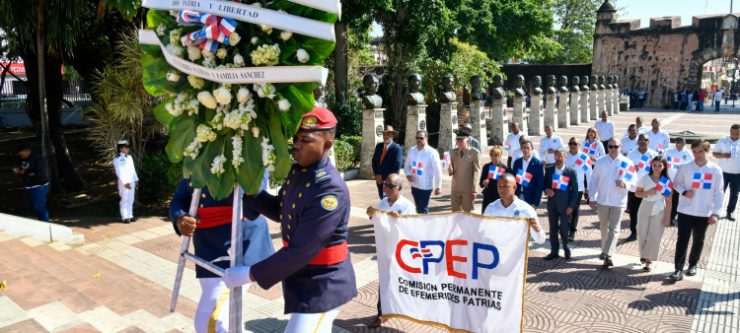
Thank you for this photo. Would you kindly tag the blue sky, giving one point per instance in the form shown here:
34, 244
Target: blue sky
645, 9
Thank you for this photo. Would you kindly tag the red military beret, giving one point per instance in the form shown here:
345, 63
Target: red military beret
319, 119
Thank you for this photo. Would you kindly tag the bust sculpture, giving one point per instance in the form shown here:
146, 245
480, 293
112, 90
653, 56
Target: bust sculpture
415, 97
550, 85
575, 81
475, 92
615, 83
563, 83
498, 84
519, 86
371, 99
601, 82
594, 82
609, 82
584, 83
448, 94
536, 85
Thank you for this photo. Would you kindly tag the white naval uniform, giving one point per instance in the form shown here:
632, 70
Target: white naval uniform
402, 206
126, 173
518, 208
555, 143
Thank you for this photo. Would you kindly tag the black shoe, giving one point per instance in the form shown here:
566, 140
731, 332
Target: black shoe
572, 236
608, 262
631, 238
642, 260
133, 219
567, 253
602, 256
127, 221
676, 276
729, 217
377, 322
691, 271
673, 223
551, 256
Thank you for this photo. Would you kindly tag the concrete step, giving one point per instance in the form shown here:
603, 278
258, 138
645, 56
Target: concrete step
43, 231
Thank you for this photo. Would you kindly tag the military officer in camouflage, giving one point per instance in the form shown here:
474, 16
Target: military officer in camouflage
313, 209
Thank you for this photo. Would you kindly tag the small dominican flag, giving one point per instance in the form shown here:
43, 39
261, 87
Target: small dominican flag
702, 181
495, 172
664, 186
644, 163
560, 182
584, 161
506, 146
660, 149
523, 178
417, 168
446, 159
590, 148
674, 163
627, 171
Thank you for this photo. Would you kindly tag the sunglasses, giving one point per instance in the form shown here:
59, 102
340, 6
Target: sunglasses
389, 185
572, 143
613, 147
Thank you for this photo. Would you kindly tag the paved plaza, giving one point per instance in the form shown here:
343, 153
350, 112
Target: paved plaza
120, 280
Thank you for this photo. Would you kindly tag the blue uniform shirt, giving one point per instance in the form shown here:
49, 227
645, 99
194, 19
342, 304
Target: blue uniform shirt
313, 209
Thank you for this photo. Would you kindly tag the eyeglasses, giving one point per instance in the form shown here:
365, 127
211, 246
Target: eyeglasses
613, 147
572, 143
642, 140
389, 186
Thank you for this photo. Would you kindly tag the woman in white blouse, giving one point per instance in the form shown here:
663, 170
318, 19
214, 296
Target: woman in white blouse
651, 216
592, 145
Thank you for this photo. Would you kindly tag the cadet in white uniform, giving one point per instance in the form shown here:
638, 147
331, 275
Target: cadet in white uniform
127, 178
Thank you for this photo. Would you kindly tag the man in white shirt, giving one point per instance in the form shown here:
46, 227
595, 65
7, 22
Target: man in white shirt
641, 158
548, 145
700, 185
629, 141
612, 176
511, 206
726, 151
127, 178
583, 171
639, 126
423, 172
718, 99
676, 157
512, 141
659, 139
605, 128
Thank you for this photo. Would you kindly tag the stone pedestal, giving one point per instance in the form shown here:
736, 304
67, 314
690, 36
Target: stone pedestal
372, 134
550, 110
535, 116
585, 115
498, 128
563, 111
518, 113
615, 101
593, 104
601, 99
416, 120
608, 102
447, 126
575, 106
478, 115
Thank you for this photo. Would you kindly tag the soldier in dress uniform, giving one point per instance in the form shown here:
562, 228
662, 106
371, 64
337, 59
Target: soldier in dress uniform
313, 209
127, 178
211, 232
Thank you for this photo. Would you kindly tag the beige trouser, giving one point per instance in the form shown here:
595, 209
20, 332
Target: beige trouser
461, 200
649, 230
610, 218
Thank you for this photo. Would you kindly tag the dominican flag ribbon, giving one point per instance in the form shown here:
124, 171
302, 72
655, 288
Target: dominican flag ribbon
674, 163
215, 29
702, 181
506, 146
495, 172
590, 149
664, 186
523, 178
560, 182
627, 171
644, 163
417, 168
584, 161
660, 149
446, 159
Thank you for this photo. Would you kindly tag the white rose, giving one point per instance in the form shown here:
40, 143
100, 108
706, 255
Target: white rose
266, 28
243, 95
254, 40
208, 54
160, 29
285, 35
222, 95
196, 82
175, 50
221, 53
193, 53
234, 39
205, 98
238, 60
173, 76
303, 56
283, 105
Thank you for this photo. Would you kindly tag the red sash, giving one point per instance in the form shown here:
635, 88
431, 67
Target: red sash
330, 255
211, 217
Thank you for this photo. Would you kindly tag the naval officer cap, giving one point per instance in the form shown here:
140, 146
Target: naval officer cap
319, 119
123, 142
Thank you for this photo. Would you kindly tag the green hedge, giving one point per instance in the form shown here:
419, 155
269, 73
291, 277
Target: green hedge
347, 152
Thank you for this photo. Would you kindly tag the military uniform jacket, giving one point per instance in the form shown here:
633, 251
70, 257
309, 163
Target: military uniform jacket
313, 209
465, 170
213, 243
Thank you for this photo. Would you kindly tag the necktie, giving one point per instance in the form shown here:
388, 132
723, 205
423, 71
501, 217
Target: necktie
382, 156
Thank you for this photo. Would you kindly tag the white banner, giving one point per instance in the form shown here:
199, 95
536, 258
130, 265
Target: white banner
242, 75
331, 6
251, 14
459, 271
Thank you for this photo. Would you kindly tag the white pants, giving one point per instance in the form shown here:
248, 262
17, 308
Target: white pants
212, 315
312, 322
126, 205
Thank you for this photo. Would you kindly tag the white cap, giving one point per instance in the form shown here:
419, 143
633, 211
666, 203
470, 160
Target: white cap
123, 142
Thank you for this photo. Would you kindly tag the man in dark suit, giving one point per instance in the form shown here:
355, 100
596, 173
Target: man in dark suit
561, 189
387, 159
530, 174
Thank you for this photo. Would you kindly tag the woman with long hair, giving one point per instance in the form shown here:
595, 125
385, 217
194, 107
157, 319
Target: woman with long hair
489, 176
592, 144
654, 213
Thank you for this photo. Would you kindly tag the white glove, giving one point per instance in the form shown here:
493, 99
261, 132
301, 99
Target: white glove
236, 276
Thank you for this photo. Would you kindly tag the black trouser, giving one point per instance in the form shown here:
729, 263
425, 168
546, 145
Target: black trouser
380, 190
733, 181
689, 225
574, 216
606, 146
380, 311
633, 204
556, 228
509, 161
674, 204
